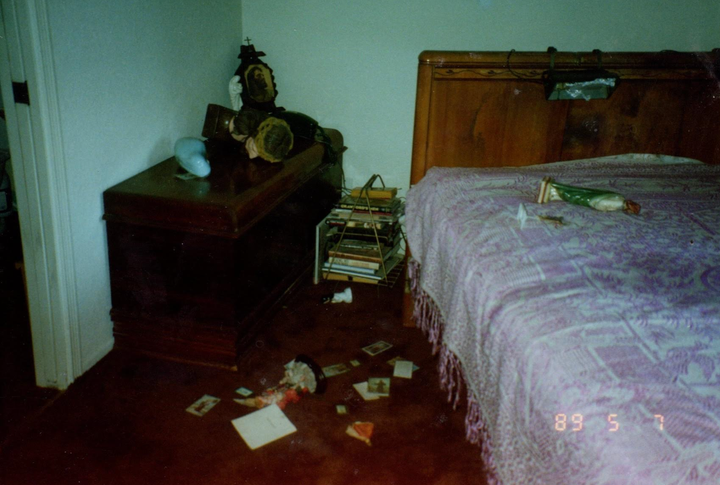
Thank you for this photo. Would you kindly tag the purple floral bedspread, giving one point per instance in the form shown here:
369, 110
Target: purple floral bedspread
590, 351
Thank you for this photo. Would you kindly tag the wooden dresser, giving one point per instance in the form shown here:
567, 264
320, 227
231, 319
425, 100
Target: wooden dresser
195, 264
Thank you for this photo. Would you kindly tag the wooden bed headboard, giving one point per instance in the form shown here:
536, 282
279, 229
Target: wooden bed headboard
478, 109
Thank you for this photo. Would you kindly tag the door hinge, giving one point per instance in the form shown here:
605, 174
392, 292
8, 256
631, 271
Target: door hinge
21, 93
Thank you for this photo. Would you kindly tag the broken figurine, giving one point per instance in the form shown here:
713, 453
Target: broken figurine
302, 376
602, 200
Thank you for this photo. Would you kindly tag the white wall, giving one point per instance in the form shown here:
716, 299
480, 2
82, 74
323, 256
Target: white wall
5, 146
132, 77
3, 131
352, 64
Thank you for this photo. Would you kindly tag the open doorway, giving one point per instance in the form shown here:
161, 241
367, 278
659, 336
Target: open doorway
20, 398
40, 175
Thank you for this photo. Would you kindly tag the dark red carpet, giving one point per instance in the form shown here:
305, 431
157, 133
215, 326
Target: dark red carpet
124, 422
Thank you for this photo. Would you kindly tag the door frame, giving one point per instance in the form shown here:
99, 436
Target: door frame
41, 187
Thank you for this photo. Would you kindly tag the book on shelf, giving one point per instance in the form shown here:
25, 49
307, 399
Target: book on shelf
363, 255
376, 275
348, 214
385, 234
357, 224
361, 237
375, 205
326, 246
352, 241
334, 242
353, 263
368, 236
344, 277
364, 209
374, 193
333, 265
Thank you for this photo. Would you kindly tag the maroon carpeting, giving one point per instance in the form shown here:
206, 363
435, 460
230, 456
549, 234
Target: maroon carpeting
20, 400
124, 421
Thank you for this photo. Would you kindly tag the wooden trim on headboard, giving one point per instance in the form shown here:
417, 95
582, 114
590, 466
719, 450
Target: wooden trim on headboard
489, 109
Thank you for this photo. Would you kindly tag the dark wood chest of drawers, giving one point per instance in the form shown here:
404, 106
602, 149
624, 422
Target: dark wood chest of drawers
196, 264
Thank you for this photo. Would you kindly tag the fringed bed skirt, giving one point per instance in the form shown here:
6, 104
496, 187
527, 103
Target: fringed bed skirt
429, 319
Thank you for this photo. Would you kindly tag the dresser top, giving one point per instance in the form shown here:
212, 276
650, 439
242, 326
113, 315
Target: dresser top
237, 193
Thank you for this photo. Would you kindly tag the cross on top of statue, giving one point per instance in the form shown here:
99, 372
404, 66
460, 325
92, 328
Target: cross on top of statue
248, 51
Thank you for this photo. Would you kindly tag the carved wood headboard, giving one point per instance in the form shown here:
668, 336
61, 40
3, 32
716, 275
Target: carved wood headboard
489, 109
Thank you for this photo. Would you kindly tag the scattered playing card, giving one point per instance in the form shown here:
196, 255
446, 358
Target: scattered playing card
203, 405
341, 409
377, 347
333, 370
395, 359
362, 389
404, 369
243, 391
263, 426
361, 430
355, 363
379, 386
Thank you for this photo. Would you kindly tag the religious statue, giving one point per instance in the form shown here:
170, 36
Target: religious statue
602, 200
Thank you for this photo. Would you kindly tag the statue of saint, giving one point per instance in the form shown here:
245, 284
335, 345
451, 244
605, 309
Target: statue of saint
602, 200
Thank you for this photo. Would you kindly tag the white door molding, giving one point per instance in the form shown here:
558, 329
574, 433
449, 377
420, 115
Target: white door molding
36, 146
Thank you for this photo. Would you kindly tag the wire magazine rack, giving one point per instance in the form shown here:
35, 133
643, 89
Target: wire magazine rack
362, 203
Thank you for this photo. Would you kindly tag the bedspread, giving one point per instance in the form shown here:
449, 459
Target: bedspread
590, 349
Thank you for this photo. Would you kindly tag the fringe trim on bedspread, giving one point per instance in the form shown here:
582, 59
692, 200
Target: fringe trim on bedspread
429, 319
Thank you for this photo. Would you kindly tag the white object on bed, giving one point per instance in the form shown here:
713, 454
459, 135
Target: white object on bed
521, 215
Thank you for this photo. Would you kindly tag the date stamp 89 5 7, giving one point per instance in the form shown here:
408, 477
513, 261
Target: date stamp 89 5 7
575, 422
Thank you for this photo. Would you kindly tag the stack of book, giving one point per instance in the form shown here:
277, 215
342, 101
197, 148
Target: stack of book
363, 237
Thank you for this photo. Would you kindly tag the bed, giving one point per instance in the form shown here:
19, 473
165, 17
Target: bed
584, 345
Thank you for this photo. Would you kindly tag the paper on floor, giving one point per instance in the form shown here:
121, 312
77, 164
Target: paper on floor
379, 386
404, 369
333, 370
203, 405
395, 359
377, 347
362, 389
263, 426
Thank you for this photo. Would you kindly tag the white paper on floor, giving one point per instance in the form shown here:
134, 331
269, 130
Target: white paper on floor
263, 426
